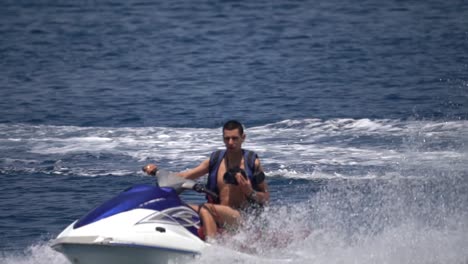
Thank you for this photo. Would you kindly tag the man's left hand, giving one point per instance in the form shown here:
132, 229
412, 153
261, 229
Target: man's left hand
244, 184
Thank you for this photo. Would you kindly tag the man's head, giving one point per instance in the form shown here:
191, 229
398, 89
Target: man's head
233, 135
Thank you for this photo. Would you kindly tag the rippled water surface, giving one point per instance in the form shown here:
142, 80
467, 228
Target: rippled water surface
358, 110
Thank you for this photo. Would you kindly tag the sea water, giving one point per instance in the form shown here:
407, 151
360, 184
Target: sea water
358, 111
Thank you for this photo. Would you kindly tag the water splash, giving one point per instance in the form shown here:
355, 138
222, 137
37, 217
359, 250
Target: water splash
40, 253
338, 225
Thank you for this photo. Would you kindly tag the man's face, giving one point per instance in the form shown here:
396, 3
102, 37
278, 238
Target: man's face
233, 139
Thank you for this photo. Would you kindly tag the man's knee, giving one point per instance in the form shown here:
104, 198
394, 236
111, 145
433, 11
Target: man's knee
204, 212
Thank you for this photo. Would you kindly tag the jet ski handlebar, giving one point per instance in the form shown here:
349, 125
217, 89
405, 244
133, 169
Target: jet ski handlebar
198, 187
201, 188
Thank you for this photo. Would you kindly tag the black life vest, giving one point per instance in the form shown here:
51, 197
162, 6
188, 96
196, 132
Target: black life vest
215, 161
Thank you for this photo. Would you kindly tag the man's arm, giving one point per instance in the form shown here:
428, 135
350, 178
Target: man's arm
262, 196
191, 174
196, 172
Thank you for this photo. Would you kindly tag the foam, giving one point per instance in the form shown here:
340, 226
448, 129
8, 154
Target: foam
302, 145
290, 236
311, 231
40, 253
321, 175
407, 243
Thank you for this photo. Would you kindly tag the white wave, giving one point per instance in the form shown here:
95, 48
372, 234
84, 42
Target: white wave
303, 145
405, 244
318, 175
338, 125
409, 242
367, 125
289, 236
327, 228
35, 254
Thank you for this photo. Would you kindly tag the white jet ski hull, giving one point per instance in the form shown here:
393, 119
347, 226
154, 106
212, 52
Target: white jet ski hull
121, 254
143, 224
121, 239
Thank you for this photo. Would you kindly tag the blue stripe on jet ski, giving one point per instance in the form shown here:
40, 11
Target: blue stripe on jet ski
132, 198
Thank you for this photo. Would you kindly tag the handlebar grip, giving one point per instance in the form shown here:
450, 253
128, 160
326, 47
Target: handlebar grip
198, 187
212, 194
201, 188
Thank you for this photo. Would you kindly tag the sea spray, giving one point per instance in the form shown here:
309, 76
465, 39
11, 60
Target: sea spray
363, 221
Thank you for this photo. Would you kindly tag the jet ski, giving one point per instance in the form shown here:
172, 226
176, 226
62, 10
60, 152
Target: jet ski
143, 224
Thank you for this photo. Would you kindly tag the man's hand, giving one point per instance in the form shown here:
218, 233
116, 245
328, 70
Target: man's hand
150, 169
244, 184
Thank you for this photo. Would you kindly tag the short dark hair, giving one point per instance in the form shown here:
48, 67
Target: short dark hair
233, 124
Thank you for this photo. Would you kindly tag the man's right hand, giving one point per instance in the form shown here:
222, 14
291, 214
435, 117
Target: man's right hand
150, 169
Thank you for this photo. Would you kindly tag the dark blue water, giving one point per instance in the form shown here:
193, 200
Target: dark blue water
184, 63
358, 109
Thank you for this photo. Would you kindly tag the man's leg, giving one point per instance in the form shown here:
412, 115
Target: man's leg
209, 223
218, 215
214, 215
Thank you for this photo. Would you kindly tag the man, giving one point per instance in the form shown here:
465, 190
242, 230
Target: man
236, 194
